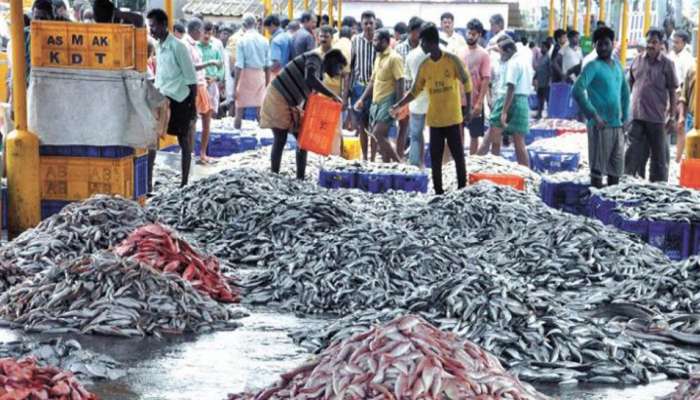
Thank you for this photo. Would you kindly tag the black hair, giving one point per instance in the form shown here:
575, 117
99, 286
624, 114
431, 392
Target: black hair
506, 43
600, 23
178, 27
158, 15
271, 20
368, 14
208, 26
383, 34
498, 20
195, 24
447, 15
349, 21
284, 22
401, 28
326, 29
430, 34
325, 19
103, 10
571, 34
305, 17
559, 33
346, 32
602, 33
546, 44
685, 37
523, 40
334, 56
475, 25
655, 32
414, 24
378, 23
531, 45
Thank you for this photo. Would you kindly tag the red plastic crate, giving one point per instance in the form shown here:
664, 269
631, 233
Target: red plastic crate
690, 173
319, 124
514, 181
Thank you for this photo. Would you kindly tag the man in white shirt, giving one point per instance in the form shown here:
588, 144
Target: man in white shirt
455, 41
417, 108
571, 57
681, 55
497, 32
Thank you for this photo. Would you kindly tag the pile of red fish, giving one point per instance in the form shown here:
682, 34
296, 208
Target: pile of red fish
405, 359
20, 380
686, 390
160, 248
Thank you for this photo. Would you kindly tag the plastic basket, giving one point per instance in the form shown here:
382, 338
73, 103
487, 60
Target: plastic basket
690, 173
552, 161
561, 102
337, 179
250, 114
514, 181
672, 237
140, 176
552, 194
266, 141
248, 143
319, 124
167, 141
86, 151
352, 150
374, 182
637, 227
602, 209
77, 178
695, 249
51, 207
534, 102
411, 182
536, 134
221, 145
576, 194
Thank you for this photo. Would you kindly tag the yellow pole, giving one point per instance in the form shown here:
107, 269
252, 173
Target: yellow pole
320, 8
22, 146
692, 141
551, 18
587, 21
575, 14
697, 87
290, 9
306, 5
330, 12
625, 32
171, 13
340, 13
647, 16
564, 16
601, 11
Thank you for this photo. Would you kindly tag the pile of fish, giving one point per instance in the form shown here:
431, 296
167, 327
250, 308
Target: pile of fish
567, 143
339, 164
159, 248
568, 125
405, 358
490, 164
108, 295
23, 379
654, 201
67, 355
79, 229
686, 390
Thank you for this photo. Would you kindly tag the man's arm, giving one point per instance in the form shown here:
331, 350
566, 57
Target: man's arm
485, 69
557, 66
275, 57
312, 72
510, 94
625, 101
672, 86
580, 91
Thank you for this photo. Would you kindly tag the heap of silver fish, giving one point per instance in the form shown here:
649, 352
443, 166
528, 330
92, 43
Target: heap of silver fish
654, 201
405, 358
107, 295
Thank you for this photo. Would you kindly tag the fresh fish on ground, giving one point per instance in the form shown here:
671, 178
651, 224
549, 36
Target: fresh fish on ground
24, 379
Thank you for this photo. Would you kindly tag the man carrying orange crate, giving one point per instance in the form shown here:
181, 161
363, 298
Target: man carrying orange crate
281, 109
442, 75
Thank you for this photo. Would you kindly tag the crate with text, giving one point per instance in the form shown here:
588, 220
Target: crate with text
77, 178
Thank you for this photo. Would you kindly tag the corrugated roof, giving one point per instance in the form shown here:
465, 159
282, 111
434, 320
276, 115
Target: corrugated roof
236, 8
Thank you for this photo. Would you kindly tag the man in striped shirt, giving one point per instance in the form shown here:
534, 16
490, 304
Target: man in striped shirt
363, 55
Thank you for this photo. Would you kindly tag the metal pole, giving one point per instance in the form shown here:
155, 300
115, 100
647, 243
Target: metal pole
290, 9
575, 2
601, 11
169, 9
330, 12
551, 18
320, 8
564, 16
340, 13
306, 5
625, 32
647, 16
587, 21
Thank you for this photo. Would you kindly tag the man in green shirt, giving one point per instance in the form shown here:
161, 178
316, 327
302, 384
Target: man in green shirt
214, 75
177, 80
604, 96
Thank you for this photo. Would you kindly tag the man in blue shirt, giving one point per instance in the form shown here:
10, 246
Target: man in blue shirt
280, 44
252, 69
304, 39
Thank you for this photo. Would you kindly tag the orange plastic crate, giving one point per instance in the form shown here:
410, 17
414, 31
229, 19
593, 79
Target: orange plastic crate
514, 181
319, 124
690, 173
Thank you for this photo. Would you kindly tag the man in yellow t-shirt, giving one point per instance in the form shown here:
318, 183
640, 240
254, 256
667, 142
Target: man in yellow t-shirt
386, 85
444, 78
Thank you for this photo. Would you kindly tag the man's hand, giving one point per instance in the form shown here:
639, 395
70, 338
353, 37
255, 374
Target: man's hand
599, 123
477, 110
359, 105
467, 115
338, 99
672, 125
504, 119
214, 63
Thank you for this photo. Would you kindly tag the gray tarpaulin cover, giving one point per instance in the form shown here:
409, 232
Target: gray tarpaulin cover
93, 108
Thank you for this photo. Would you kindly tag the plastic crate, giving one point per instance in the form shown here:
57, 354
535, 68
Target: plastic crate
695, 249
248, 143
690, 173
221, 145
576, 194
552, 161
352, 150
552, 194
319, 124
410, 182
534, 102
536, 134
77, 178
51, 207
249, 114
140, 176
514, 181
602, 209
167, 141
672, 237
86, 151
561, 102
374, 182
266, 141
637, 227
337, 179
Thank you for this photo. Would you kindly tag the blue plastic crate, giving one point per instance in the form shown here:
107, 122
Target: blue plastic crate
410, 182
552, 194
552, 161
115, 151
51, 207
374, 182
536, 134
222, 145
59, 151
337, 179
248, 143
87, 151
637, 227
672, 237
602, 209
171, 149
509, 154
140, 176
266, 141
250, 114
561, 102
576, 194
534, 102
695, 249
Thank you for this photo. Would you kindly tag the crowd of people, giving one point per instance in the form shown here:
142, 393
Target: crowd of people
415, 75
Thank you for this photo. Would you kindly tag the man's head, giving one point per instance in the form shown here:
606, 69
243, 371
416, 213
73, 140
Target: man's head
560, 37
400, 31
60, 10
414, 26
103, 10
179, 30
325, 20
680, 40
293, 26
249, 21
497, 23
195, 28
669, 25
284, 23
655, 39
307, 21
325, 37
381, 40
546, 45
599, 24
333, 63
208, 32
447, 22
346, 32
603, 39
523, 40
573, 37
474, 30
351, 23
158, 23
225, 32
271, 23
42, 10
506, 46
429, 38
368, 20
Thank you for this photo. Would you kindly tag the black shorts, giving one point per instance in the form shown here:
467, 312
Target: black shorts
476, 126
182, 113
